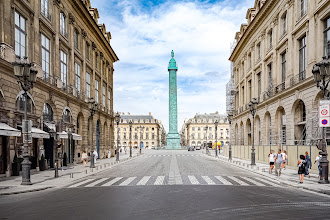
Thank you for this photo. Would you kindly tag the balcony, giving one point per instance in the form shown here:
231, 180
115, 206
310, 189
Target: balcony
279, 88
298, 78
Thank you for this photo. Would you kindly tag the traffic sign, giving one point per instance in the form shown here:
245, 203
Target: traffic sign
324, 111
324, 122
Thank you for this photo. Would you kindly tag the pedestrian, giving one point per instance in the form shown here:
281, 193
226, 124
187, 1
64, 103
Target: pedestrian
308, 164
125, 150
278, 163
95, 156
301, 168
84, 158
271, 161
318, 158
285, 157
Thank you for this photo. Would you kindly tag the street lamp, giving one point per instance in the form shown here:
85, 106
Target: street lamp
26, 75
216, 137
117, 119
321, 72
92, 108
130, 138
253, 107
230, 118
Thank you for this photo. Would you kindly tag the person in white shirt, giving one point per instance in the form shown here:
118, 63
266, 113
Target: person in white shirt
271, 161
284, 156
95, 156
318, 158
84, 158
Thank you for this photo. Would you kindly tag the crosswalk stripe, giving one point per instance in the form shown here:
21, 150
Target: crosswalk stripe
81, 183
144, 180
96, 182
159, 180
112, 181
238, 181
223, 181
252, 181
268, 182
208, 180
127, 181
193, 180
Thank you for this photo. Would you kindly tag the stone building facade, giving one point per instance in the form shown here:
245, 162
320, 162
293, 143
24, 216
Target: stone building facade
74, 58
146, 131
200, 129
272, 58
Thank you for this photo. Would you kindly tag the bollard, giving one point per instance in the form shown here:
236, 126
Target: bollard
97, 167
91, 170
263, 170
86, 171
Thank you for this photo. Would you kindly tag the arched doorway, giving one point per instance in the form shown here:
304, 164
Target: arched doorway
98, 138
299, 115
48, 117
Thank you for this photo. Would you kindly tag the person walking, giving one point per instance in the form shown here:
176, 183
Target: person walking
278, 163
95, 156
301, 168
318, 158
84, 158
271, 161
285, 157
308, 164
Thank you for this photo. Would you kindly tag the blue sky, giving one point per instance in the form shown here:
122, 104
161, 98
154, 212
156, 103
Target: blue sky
143, 35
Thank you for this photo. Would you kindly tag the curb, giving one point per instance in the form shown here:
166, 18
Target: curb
283, 182
26, 191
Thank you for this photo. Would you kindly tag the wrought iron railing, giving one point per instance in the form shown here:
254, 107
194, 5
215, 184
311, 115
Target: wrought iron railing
280, 87
298, 78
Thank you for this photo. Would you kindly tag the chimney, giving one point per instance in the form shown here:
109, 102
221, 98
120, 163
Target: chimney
149, 113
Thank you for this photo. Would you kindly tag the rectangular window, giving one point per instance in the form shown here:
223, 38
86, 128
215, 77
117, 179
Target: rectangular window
103, 96
242, 69
283, 66
250, 89
96, 61
76, 39
88, 85
327, 37
284, 24
302, 58
302, 7
270, 35
20, 35
63, 68
45, 8
45, 56
87, 51
96, 91
77, 76
259, 84
62, 24
250, 60
259, 51
109, 98
243, 98
270, 78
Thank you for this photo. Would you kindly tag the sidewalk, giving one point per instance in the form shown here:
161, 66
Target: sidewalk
288, 177
45, 179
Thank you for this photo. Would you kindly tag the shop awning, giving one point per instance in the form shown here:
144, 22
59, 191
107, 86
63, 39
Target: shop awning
76, 137
37, 133
51, 126
6, 130
63, 135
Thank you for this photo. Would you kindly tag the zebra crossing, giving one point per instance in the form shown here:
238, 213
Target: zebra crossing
186, 180
168, 155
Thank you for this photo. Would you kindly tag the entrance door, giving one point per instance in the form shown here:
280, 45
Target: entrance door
3, 154
34, 158
49, 151
98, 138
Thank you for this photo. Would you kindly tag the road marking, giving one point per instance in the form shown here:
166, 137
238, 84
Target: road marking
159, 180
252, 181
223, 181
174, 173
144, 180
96, 182
208, 180
127, 181
112, 181
238, 181
268, 182
193, 180
81, 183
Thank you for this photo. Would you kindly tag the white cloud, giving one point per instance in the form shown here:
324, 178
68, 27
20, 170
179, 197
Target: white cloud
200, 35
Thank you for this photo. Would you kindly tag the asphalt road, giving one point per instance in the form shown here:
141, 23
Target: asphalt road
169, 185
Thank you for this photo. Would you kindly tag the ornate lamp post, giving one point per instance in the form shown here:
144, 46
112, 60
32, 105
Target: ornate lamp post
230, 118
117, 119
26, 75
216, 137
92, 108
130, 138
253, 107
321, 72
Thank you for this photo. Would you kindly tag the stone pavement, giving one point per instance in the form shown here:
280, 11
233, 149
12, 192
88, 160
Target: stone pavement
288, 177
45, 179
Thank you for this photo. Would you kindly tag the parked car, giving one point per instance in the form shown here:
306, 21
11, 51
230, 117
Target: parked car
191, 148
152, 147
198, 147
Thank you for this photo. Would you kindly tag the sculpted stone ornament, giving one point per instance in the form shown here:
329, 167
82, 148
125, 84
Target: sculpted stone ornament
173, 137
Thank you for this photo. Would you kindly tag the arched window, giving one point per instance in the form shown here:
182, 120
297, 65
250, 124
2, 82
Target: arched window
47, 112
20, 103
67, 115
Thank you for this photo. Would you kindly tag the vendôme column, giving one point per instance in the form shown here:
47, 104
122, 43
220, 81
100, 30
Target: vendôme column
173, 137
